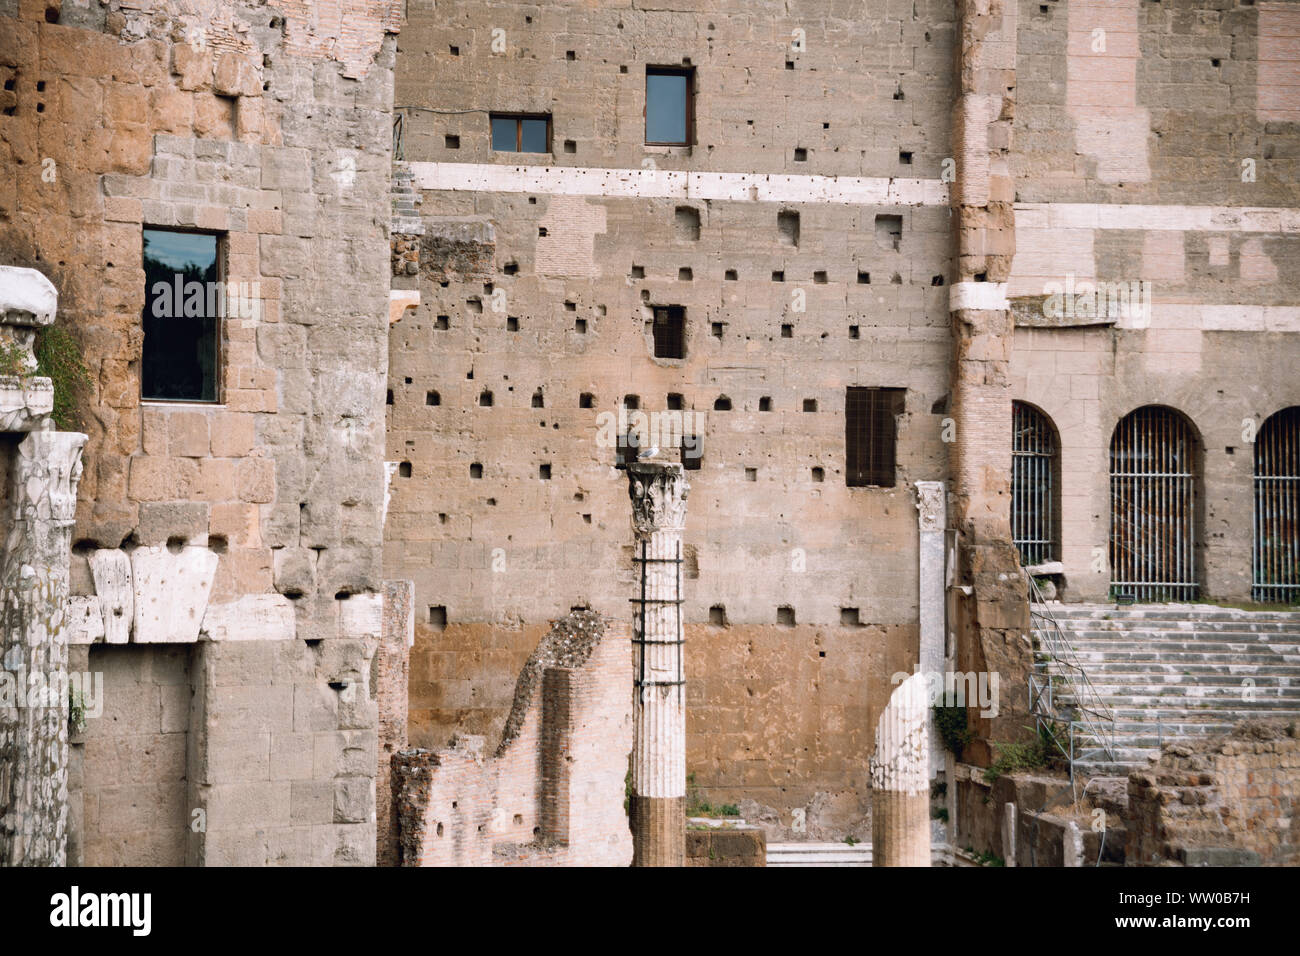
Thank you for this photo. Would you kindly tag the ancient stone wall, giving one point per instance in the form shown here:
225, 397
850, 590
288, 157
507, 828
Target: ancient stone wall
1229, 801
553, 792
726, 846
1153, 146
250, 525
536, 274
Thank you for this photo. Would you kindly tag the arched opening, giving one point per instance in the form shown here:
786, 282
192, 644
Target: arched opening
1276, 551
1035, 485
1154, 473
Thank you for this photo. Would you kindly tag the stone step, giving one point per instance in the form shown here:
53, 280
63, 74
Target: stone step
1158, 664
1106, 688
1109, 622
1191, 639
818, 854
1197, 657
841, 854
1169, 675
1209, 613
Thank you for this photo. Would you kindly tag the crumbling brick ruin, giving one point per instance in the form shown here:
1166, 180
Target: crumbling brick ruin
927, 301
552, 791
1222, 802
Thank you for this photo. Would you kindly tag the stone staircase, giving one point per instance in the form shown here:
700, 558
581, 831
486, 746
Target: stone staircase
1170, 671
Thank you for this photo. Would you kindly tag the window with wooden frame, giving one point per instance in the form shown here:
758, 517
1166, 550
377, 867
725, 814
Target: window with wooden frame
184, 301
669, 105
870, 435
521, 132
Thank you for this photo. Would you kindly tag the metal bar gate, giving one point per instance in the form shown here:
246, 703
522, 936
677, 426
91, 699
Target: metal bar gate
1033, 459
1276, 550
1153, 507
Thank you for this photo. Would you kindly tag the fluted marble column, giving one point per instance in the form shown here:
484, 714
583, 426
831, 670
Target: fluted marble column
658, 492
34, 649
900, 779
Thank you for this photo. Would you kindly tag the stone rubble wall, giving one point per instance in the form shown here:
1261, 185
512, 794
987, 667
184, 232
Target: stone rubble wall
1232, 800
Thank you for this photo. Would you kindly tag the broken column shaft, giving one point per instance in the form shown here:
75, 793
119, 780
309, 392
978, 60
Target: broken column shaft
658, 803
34, 649
900, 779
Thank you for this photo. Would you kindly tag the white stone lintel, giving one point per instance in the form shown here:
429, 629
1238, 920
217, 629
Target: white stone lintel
978, 297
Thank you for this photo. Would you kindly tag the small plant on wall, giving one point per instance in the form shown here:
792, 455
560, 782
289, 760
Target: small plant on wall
953, 729
58, 357
12, 360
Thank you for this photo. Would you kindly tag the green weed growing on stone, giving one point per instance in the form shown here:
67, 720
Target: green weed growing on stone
58, 357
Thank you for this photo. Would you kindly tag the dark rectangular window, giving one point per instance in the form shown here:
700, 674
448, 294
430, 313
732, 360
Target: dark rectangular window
692, 452
669, 105
670, 331
520, 133
870, 435
183, 305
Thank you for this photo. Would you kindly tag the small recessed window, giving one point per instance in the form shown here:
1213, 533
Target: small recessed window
183, 305
521, 133
692, 452
669, 105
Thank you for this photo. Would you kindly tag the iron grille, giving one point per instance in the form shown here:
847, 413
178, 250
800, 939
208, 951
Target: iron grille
1153, 506
1276, 576
870, 434
1033, 466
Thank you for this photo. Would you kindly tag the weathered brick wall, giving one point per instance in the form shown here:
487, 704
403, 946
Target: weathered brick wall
1149, 147
1204, 800
552, 793
781, 714
261, 125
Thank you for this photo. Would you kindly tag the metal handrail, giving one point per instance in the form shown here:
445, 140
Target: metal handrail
1091, 723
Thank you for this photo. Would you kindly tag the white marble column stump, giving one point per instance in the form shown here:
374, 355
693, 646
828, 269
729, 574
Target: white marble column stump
900, 779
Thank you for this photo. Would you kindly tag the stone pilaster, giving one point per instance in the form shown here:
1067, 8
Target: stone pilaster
994, 617
900, 779
932, 516
658, 492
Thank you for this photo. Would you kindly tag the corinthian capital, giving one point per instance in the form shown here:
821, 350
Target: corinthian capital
931, 505
658, 491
